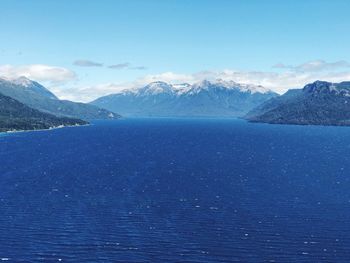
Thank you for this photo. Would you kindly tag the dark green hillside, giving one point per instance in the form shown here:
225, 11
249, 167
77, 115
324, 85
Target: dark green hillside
14, 115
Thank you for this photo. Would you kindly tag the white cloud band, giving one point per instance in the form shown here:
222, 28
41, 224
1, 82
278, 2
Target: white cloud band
38, 72
279, 80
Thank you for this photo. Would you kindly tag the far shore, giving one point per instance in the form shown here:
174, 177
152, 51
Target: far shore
38, 130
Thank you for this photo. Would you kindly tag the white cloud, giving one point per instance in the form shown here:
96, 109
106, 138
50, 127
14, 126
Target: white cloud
88, 93
91, 92
315, 65
38, 72
279, 80
170, 77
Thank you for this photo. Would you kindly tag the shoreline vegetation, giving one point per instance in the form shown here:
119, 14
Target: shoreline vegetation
44, 129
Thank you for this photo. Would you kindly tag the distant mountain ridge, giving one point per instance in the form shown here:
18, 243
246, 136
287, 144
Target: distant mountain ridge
206, 98
15, 116
318, 103
36, 96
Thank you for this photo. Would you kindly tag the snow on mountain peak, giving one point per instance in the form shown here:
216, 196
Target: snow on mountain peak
23, 81
229, 84
156, 87
29, 85
181, 88
206, 98
161, 87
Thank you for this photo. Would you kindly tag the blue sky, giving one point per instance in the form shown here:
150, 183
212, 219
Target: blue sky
62, 43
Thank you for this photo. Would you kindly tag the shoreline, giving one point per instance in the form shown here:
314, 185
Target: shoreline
38, 130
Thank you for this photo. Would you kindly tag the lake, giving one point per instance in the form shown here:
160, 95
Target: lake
176, 190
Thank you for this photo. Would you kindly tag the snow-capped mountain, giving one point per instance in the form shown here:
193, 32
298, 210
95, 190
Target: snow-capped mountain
36, 96
31, 86
206, 98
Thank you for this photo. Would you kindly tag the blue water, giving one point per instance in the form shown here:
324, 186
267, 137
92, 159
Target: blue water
162, 190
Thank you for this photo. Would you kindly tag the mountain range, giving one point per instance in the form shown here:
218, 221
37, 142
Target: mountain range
26, 104
204, 99
318, 103
36, 96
